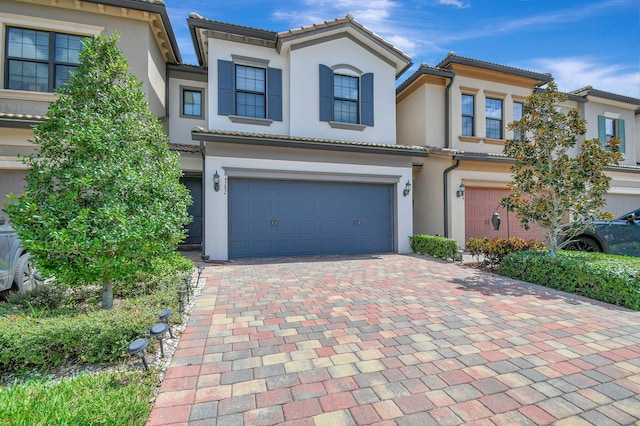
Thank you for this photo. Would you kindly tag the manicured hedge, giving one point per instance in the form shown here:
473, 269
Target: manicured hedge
440, 247
611, 279
494, 250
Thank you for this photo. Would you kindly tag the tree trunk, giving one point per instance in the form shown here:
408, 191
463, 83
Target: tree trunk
107, 293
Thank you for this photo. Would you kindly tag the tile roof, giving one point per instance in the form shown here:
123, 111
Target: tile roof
424, 69
452, 58
199, 133
181, 147
589, 90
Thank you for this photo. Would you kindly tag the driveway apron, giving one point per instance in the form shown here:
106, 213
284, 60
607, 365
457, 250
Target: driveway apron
396, 339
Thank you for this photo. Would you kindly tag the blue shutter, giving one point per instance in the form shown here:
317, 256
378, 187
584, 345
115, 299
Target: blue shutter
620, 129
274, 93
602, 130
225, 88
326, 93
366, 104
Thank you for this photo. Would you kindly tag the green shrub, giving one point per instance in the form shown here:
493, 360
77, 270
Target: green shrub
608, 278
494, 250
103, 399
440, 247
98, 336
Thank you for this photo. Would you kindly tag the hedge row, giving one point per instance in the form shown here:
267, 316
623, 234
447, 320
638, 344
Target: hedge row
611, 279
440, 247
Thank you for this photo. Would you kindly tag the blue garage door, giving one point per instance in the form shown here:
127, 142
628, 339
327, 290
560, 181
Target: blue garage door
291, 218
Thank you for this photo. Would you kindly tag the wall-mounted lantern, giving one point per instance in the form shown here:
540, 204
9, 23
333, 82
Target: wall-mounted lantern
460, 191
495, 220
216, 182
407, 189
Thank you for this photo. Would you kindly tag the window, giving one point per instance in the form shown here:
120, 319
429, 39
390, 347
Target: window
517, 116
468, 112
251, 92
610, 128
191, 102
493, 108
40, 61
346, 98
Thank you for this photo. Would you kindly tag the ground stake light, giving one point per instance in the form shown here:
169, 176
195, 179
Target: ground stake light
158, 330
137, 347
164, 317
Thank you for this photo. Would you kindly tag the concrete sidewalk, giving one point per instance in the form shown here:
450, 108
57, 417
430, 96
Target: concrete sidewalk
392, 339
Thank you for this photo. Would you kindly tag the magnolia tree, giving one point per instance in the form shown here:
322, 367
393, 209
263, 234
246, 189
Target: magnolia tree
552, 181
103, 196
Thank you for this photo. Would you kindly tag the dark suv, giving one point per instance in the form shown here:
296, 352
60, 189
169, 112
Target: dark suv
619, 236
16, 268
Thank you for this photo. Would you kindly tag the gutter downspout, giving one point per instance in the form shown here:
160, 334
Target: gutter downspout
446, 195
204, 202
447, 122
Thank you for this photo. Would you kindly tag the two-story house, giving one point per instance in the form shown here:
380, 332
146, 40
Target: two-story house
298, 137
39, 45
460, 110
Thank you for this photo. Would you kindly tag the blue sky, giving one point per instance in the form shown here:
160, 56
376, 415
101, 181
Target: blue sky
580, 42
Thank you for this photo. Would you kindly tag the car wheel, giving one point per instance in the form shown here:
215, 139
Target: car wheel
583, 244
27, 276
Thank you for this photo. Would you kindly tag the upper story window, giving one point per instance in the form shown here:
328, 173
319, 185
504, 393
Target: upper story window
249, 91
468, 113
494, 118
346, 98
191, 99
518, 110
40, 61
610, 128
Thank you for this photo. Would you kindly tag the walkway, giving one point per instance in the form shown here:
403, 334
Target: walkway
394, 339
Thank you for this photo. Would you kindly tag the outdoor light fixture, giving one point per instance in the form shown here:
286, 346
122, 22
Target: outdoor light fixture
216, 182
495, 220
460, 191
407, 189
158, 330
164, 317
137, 347
200, 269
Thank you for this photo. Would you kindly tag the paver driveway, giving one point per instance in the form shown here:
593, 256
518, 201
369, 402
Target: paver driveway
394, 339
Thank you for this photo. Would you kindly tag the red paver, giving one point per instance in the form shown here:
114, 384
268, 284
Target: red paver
388, 336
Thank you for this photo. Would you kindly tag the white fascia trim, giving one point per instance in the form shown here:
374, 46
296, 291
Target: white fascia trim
612, 115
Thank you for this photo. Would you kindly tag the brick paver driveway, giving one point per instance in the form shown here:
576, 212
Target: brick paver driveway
394, 339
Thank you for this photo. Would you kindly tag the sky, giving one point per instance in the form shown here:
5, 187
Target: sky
580, 42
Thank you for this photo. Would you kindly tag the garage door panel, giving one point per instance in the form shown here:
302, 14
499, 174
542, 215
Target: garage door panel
311, 217
480, 203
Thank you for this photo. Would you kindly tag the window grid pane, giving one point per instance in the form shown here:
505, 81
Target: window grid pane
192, 103
610, 128
517, 116
250, 105
345, 111
468, 112
63, 74
494, 118
28, 44
32, 76
68, 48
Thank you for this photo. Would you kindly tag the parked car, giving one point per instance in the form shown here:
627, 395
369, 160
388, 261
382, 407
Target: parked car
620, 236
16, 268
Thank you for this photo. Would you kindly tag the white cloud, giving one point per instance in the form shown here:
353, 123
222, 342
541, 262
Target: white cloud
577, 72
457, 3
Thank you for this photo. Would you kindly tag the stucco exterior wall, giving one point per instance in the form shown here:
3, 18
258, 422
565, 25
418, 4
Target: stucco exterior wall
421, 117
612, 109
180, 126
482, 89
221, 49
304, 81
137, 43
296, 164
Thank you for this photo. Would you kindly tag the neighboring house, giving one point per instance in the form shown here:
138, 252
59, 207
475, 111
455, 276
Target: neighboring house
460, 110
299, 141
39, 44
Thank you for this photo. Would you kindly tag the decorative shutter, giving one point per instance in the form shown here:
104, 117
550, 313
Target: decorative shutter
225, 88
602, 130
326, 93
620, 129
366, 103
274, 94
